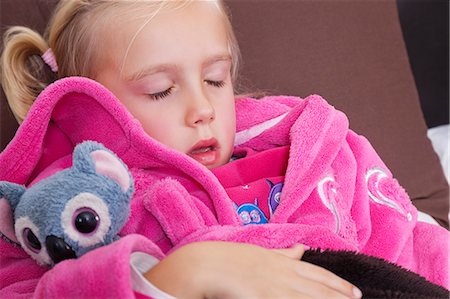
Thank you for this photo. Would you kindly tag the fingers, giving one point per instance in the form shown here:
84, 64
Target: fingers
313, 289
318, 281
223, 269
315, 281
325, 277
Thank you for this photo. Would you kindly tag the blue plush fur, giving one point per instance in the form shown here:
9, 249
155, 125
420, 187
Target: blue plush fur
41, 206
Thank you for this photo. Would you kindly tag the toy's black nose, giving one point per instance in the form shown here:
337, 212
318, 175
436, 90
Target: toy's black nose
58, 249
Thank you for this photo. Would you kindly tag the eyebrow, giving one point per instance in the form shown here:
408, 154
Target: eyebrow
146, 71
151, 70
215, 59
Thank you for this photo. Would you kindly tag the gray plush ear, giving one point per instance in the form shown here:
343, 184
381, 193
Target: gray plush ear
10, 195
93, 157
81, 156
11, 192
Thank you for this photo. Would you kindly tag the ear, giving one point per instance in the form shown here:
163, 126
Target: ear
11, 192
269, 182
10, 195
93, 157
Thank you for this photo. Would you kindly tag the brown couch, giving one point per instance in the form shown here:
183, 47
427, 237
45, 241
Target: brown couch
350, 52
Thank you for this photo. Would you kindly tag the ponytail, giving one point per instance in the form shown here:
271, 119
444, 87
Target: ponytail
24, 74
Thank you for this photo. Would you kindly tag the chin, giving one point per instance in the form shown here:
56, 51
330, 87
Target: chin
219, 163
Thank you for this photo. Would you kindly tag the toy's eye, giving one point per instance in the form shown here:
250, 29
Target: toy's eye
31, 241
256, 217
245, 217
277, 197
27, 234
86, 220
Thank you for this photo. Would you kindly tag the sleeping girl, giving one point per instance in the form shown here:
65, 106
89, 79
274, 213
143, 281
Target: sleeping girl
224, 185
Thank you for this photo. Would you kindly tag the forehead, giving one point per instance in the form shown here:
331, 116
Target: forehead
161, 25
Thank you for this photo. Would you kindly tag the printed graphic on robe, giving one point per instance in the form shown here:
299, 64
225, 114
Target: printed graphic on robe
274, 195
251, 213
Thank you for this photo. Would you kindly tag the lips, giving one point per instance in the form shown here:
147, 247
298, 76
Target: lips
205, 151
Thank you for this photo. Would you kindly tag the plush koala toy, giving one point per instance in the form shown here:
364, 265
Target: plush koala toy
74, 210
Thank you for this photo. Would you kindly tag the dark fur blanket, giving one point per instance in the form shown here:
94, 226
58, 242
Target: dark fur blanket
375, 277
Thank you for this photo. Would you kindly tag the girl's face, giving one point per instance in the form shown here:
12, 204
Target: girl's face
176, 80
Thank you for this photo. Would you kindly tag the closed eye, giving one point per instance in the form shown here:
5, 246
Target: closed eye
215, 83
160, 95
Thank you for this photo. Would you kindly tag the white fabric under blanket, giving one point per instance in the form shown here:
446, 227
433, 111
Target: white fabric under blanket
440, 137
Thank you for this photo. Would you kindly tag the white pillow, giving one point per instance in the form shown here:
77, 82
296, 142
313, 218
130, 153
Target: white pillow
439, 137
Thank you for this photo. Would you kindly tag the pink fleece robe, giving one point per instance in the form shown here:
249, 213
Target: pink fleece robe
338, 194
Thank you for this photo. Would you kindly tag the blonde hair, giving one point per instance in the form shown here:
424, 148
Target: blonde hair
72, 34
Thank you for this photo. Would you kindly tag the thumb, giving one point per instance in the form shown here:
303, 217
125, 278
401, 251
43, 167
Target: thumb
295, 252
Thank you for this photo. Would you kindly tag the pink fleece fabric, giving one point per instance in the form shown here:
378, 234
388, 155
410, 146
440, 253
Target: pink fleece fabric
338, 194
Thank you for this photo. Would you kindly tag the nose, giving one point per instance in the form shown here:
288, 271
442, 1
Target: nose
200, 112
58, 249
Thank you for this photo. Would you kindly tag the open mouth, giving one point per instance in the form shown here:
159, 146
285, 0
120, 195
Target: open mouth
205, 151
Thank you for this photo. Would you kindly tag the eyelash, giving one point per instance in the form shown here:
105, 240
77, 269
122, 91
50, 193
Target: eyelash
167, 92
218, 84
161, 95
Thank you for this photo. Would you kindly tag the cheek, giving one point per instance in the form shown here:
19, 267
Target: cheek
228, 123
164, 129
157, 127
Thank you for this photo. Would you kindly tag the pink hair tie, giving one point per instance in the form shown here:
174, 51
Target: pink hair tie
49, 59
